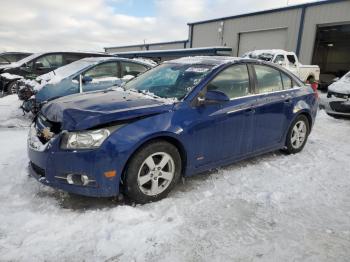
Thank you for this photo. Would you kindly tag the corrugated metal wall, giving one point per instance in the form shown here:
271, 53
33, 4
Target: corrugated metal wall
208, 34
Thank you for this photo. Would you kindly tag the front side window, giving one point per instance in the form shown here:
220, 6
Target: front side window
170, 80
49, 61
268, 79
132, 68
233, 81
103, 70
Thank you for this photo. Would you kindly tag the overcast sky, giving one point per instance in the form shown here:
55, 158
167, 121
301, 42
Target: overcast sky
40, 25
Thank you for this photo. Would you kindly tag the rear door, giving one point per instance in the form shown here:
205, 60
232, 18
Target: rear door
270, 116
102, 76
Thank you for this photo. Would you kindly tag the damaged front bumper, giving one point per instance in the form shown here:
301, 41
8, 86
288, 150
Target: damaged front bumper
79, 172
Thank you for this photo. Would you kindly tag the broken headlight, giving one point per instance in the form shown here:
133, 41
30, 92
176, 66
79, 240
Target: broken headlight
89, 139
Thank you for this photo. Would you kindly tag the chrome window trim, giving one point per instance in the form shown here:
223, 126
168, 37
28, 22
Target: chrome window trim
268, 93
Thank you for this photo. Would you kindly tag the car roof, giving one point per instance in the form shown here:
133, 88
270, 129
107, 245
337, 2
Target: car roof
206, 60
98, 59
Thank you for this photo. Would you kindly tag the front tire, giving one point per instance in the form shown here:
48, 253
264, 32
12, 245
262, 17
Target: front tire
297, 135
152, 172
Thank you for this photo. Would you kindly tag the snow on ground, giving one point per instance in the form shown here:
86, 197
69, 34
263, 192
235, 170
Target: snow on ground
10, 113
270, 208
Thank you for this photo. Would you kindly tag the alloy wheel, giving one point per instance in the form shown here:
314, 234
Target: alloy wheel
299, 133
156, 173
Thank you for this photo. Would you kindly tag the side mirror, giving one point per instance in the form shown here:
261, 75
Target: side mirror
213, 97
280, 63
86, 79
127, 78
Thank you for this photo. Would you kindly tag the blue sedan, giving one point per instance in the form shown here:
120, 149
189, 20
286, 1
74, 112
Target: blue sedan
87, 74
180, 118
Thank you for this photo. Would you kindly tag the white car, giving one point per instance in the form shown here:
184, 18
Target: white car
289, 60
338, 103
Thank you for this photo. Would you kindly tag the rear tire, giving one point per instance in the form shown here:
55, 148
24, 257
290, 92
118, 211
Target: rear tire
152, 172
297, 135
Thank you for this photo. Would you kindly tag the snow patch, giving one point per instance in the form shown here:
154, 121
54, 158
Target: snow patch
11, 76
11, 115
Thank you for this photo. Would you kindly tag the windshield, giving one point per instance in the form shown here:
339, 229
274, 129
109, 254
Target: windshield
169, 80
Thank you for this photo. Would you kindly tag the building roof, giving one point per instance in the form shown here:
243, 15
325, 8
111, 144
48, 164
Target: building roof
176, 52
290, 7
149, 44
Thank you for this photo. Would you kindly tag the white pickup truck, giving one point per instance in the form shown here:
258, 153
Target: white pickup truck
307, 73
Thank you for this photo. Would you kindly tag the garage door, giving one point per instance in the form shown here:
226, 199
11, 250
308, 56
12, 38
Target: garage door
267, 39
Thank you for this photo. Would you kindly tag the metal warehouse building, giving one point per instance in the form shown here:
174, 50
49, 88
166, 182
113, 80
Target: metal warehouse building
318, 32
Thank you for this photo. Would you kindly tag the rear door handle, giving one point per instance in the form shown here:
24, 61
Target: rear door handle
288, 101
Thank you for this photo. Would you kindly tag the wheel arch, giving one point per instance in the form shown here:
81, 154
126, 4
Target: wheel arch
161, 137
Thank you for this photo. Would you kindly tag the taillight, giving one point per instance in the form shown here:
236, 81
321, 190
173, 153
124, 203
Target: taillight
314, 86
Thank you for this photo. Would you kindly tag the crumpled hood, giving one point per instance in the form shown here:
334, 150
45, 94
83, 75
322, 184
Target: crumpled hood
84, 111
341, 87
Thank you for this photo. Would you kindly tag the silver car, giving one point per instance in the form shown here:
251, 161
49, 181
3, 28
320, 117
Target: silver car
338, 98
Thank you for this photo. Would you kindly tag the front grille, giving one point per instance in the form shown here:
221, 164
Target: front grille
339, 106
38, 170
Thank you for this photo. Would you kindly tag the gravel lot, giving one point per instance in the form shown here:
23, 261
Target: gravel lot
270, 208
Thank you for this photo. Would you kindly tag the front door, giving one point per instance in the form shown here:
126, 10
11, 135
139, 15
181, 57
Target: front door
223, 131
102, 76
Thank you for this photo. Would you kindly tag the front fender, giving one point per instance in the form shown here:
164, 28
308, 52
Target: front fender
124, 142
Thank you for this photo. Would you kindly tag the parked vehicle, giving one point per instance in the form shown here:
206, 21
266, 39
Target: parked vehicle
88, 74
182, 117
307, 73
11, 57
35, 65
338, 103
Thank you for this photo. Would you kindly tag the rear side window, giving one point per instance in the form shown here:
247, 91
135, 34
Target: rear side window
268, 79
69, 58
132, 69
103, 70
287, 81
233, 81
